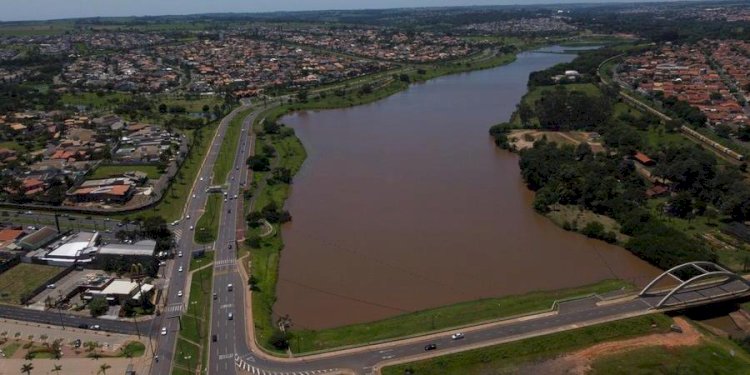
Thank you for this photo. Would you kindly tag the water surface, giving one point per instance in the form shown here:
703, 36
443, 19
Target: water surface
406, 204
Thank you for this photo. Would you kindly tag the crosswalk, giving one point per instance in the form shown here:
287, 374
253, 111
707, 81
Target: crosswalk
175, 307
225, 262
177, 235
251, 369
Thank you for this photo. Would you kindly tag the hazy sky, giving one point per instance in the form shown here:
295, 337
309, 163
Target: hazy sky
12, 10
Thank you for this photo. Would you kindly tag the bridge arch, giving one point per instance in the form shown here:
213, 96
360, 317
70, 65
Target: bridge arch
707, 270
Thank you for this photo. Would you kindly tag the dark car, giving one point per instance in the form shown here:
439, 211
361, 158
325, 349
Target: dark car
429, 347
83, 325
77, 343
213, 338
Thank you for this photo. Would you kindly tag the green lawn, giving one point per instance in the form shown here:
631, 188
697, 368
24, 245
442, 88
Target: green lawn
443, 318
11, 348
194, 105
135, 348
105, 171
19, 148
23, 278
228, 150
508, 358
208, 258
185, 357
94, 100
712, 356
208, 225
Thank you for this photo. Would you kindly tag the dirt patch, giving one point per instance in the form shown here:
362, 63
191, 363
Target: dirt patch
579, 362
525, 138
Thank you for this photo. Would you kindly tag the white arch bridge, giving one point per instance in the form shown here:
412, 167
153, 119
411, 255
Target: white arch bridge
697, 283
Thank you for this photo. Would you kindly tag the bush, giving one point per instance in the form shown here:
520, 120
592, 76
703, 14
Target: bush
279, 340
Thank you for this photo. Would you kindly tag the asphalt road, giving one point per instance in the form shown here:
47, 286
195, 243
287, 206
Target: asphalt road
173, 306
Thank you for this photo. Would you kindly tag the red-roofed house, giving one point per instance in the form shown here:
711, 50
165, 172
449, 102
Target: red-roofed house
643, 159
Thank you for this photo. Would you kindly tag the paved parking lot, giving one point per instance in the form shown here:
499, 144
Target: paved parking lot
62, 287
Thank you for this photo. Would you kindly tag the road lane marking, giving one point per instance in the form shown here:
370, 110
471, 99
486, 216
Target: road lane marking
226, 356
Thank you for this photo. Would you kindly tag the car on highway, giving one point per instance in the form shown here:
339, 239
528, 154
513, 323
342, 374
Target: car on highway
230, 316
201, 178
162, 263
179, 254
163, 331
215, 296
51, 286
235, 196
429, 347
191, 227
179, 293
95, 327
193, 195
83, 326
187, 216
179, 269
457, 336
229, 287
174, 223
213, 338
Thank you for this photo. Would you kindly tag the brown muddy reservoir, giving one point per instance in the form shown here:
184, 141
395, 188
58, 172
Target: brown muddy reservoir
406, 204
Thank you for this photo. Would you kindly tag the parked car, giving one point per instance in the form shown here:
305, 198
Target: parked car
179, 254
83, 326
230, 287
95, 327
77, 343
429, 347
215, 296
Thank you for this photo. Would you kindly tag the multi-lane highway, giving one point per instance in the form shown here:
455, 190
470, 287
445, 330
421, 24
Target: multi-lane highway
174, 305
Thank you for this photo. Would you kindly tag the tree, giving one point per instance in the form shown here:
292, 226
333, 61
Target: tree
525, 113
103, 368
26, 368
98, 306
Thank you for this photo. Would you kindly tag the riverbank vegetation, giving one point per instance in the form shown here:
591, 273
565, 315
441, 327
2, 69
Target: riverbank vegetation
443, 318
664, 208
510, 357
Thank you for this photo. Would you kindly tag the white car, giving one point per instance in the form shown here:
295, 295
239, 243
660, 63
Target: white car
235, 196
179, 269
193, 195
174, 223
457, 336
191, 227
179, 293
187, 217
201, 178
163, 331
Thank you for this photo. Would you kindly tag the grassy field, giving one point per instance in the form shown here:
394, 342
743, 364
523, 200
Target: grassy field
94, 100
135, 348
713, 356
443, 318
193, 105
228, 150
579, 217
196, 263
23, 278
19, 148
507, 358
36, 28
207, 226
105, 171
185, 357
